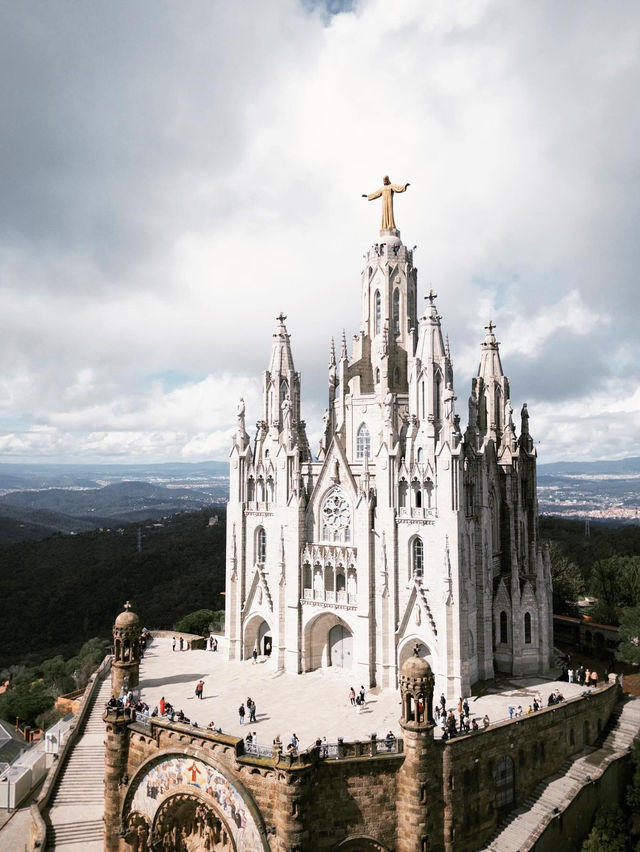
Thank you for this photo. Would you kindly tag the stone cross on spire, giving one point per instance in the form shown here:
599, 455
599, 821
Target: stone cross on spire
490, 327
281, 318
431, 296
127, 605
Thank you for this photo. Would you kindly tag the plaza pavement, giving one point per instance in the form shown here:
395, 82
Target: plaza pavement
312, 705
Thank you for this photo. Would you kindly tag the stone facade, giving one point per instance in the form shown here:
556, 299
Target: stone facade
168, 783
407, 528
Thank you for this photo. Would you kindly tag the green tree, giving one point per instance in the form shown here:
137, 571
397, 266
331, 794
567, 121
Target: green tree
196, 622
568, 583
25, 702
609, 831
633, 790
629, 633
604, 583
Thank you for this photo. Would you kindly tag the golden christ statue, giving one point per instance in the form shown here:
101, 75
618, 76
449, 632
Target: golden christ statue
386, 191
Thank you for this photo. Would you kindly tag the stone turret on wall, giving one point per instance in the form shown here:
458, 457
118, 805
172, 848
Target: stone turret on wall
125, 670
419, 794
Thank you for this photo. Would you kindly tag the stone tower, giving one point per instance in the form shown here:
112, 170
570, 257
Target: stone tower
125, 668
405, 529
419, 789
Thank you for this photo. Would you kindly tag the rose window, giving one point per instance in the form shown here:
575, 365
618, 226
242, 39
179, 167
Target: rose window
336, 512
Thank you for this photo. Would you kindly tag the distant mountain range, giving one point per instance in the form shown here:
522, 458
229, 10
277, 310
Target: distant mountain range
38, 500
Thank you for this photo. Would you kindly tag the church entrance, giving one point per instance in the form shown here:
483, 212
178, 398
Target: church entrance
340, 647
257, 634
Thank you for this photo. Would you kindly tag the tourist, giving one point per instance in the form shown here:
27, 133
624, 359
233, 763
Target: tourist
295, 741
252, 711
248, 739
211, 726
570, 675
215, 644
324, 751
173, 646
474, 726
389, 740
536, 706
277, 741
587, 677
352, 695
485, 721
436, 714
459, 706
594, 679
241, 712
443, 702
465, 708
519, 713
255, 656
181, 643
511, 710
154, 712
362, 694
529, 710
199, 689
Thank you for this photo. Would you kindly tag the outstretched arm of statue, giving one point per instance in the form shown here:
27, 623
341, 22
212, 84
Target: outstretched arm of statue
399, 187
373, 195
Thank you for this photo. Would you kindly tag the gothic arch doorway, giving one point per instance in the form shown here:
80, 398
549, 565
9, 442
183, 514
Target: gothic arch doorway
327, 641
340, 647
257, 634
424, 652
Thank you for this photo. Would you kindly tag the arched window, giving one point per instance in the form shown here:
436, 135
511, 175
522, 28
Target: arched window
396, 312
378, 309
377, 376
417, 557
402, 493
306, 576
261, 546
504, 782
363, 442
251, 489
419, 455
527, 628
497, 407
503, 628
436, 396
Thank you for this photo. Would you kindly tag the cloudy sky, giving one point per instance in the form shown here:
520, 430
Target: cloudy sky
176, 174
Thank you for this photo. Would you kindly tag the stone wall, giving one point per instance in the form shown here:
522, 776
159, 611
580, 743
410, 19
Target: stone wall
306, 803
537, 744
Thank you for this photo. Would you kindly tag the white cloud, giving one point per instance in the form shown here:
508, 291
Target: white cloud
190, 171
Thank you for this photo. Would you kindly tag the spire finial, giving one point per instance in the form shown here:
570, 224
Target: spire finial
281, 318
332, 353
343, 350
431, 296
127, 605
490, 326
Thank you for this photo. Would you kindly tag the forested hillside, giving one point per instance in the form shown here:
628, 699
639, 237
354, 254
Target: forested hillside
59, 592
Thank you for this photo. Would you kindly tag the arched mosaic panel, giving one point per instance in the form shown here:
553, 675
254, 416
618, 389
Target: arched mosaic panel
172, 778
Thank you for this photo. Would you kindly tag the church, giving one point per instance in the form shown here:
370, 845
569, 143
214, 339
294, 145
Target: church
405, 527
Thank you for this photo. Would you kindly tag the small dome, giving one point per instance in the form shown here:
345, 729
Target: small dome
415, 666
127, 618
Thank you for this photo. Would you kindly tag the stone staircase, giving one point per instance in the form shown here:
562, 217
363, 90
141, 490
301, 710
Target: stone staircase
523, 826
75, 817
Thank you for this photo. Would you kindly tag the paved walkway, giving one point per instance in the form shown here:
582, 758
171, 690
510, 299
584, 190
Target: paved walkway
311, 705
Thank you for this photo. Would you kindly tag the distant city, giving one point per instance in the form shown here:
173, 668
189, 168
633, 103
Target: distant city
37, 500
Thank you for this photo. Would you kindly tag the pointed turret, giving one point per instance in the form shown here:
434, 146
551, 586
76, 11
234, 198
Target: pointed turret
490, 392
431, 382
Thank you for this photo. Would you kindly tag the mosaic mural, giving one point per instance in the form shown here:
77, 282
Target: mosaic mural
180, 774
